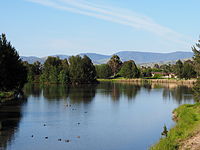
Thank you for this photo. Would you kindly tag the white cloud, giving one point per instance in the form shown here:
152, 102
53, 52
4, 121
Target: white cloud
116, 15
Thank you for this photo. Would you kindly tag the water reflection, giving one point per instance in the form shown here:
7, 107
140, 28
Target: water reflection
116, 90
180, 94
34, 90
86, 93
89, 104
76, 94
10, 116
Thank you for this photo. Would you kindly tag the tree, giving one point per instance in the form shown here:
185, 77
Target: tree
81, 70
166, 68
129, 70
196, 90
51, 70
115, 64
188, 70
13, 74
88, 69
34, 71
103, 71
196, 58
64, 73
179, 69
76, 69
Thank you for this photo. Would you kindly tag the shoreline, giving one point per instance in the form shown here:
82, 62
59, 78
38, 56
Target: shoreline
186, 133
140, 80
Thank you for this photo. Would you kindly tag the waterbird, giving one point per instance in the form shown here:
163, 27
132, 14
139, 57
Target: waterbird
67, 141
59, 139
46, 137
31, 135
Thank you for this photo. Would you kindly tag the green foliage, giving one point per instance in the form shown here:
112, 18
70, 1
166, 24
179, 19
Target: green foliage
196, 58
76, 69
89, 70
196, 90
188, 70
129, 70
34, 71
6, 95
157, 76
188, 118
166, 68
55, 71
81, 70
13, 73
165, 131
179, 69
115, 64
103, 71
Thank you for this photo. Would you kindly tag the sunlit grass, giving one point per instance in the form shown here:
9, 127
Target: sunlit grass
188, 121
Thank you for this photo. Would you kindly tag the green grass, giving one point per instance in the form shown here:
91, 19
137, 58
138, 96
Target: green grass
116, 79
188, 121
6, 94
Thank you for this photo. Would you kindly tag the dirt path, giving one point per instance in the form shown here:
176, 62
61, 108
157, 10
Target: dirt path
192, 143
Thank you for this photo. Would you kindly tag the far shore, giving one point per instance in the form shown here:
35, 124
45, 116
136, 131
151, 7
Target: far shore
140, 80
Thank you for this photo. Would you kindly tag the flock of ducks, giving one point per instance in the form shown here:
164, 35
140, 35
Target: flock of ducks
67, 141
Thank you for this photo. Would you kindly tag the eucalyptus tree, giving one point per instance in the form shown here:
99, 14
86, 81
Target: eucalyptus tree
115, 64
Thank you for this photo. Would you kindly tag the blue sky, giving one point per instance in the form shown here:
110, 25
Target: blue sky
48, 27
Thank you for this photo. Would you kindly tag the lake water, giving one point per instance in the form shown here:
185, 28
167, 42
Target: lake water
108, 116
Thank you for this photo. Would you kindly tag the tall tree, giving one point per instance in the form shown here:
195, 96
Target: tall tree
129, 70
52, 68
76, 69
64, 73
115, 64
13, 73
188, 70
179, 69
103, 71
196, 58
89, 70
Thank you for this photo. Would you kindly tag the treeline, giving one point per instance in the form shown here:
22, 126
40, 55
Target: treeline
128, 69
75, 70
116, 68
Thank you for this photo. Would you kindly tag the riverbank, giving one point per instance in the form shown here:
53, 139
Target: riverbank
186, 134
140, 80
6, 95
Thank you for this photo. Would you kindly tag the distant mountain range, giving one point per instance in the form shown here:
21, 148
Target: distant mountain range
138, 57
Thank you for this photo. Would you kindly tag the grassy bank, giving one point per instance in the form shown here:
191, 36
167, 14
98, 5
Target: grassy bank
141, 80
188, 125
6, 95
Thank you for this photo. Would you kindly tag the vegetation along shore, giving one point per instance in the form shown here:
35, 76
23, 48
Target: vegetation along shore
140, 80
81, 70
186, 133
